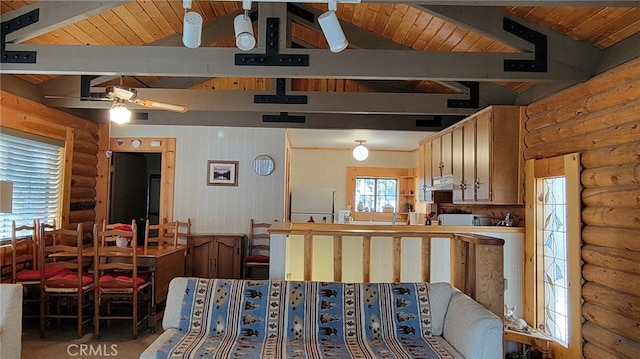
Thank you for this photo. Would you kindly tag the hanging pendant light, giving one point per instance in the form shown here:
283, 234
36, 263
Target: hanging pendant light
360, 152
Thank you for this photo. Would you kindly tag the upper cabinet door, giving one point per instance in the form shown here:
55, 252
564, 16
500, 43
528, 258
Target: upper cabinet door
469, 161
436, 156
458, 160
446, 154
482, 180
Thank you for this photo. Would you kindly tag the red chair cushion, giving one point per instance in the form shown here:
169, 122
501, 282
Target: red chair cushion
115, 280
68, 280
256, 259
29, 275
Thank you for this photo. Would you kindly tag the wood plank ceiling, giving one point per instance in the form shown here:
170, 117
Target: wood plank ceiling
401, 27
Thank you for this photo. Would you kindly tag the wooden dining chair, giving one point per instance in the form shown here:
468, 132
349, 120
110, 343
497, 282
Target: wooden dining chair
183, 231
25, 244
257, 254
162, 234
122, 290
65, 294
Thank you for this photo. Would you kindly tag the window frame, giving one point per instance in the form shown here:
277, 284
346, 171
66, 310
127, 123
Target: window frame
374, 172
567, 166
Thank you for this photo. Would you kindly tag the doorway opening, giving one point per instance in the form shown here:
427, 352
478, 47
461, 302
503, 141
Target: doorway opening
135, 189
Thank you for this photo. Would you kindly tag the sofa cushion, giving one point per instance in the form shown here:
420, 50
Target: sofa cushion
228, 318
439, 296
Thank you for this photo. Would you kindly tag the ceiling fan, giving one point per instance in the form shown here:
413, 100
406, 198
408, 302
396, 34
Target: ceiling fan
120, 95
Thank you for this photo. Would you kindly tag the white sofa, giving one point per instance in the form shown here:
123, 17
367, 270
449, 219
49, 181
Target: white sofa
10, 320
215, 314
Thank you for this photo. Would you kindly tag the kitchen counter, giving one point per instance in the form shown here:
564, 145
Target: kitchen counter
364, 226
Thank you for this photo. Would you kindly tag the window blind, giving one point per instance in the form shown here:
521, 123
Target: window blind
34, 165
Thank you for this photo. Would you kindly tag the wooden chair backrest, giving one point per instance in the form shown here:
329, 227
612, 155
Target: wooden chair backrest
63, 248
111, 226
167, 234
181, 230
108, 256
258, 238
24, 248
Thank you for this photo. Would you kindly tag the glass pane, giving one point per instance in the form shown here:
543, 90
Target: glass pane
374, 193
555, 258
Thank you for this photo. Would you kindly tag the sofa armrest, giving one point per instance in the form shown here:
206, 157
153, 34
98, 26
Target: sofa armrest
172, 309
472, 329
10, 320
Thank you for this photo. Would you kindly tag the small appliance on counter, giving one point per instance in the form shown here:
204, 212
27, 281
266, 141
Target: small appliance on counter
464, 220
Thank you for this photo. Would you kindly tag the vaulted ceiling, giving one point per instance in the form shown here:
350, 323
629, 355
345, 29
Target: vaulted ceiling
410, 65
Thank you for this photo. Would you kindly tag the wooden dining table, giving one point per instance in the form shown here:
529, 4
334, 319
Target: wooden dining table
165, 262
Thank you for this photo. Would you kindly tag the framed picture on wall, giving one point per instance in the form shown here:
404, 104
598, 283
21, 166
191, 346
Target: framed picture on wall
222, 173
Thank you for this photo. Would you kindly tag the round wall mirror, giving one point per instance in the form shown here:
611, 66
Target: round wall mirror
263, 165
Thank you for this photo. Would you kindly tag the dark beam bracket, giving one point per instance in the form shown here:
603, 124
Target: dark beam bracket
474, 96
85, 88
434, 122
539, 41
272, 57
283, 117
9, 26
281, 96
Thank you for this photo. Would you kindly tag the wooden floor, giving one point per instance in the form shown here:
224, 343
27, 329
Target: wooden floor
62, 342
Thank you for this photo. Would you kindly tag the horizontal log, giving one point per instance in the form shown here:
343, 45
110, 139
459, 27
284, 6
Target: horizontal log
86, 136
86, 215
623, 196
623, 238
83, 181
83, 193
620, 175
612, 155
619, 302
609, 136
85, 159
624, 73
584, 123
622, 347
620, 281
82, 205
612, 258
86, 147
31, 123
78, 169
592, 351
625, 217
8, 99
617, 323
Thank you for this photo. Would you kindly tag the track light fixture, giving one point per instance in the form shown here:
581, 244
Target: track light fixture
331, 28
360, 153
243, 28
119, 113
192, 26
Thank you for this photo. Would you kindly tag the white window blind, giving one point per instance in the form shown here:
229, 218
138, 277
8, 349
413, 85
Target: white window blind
34, 165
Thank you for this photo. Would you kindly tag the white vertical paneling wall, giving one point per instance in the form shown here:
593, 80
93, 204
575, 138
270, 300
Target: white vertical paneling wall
327, 168
222, 209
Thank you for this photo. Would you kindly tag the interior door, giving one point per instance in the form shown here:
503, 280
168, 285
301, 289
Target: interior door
128, 187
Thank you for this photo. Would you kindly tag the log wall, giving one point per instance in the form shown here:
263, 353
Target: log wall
601, 120
31, 117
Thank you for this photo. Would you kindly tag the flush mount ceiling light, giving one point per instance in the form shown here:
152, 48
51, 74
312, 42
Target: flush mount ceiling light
360, 153
331, 28
192, 26
119, 113
243, 29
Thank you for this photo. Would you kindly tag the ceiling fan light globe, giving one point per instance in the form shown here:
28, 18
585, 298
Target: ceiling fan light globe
192, 31
120, 115
360, 153
243, 28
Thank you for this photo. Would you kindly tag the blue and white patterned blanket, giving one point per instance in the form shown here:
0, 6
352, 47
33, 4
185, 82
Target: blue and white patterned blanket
280, 319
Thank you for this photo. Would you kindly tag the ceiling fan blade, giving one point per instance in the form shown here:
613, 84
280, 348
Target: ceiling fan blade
161, 105
78, 97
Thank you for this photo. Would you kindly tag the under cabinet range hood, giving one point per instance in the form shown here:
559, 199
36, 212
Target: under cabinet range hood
442, 184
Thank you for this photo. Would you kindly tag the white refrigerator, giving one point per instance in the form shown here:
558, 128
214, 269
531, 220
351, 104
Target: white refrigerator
316, 203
